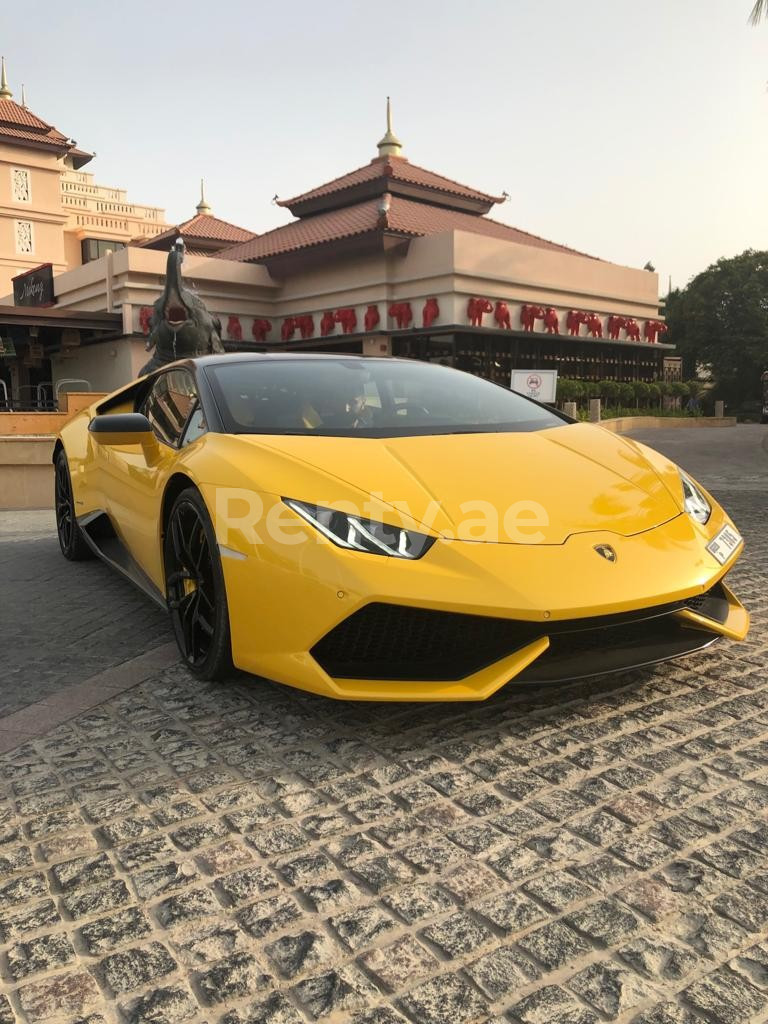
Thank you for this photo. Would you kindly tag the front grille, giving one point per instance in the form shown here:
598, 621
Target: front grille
390, 641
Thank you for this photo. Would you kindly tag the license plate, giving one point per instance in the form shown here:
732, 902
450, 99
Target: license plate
722, 546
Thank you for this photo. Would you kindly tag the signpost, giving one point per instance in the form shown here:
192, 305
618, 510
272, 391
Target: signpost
34, 287
540, 385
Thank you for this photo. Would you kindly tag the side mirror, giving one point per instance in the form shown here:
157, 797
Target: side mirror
121, 428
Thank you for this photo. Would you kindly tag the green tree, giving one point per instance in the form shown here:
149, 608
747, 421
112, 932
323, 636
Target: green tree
642, 392
654, 394
609, 390
627, 393
720, 319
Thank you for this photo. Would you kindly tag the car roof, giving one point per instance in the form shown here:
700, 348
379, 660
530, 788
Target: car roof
252, 357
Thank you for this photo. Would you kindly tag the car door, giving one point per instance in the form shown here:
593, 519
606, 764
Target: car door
134, 481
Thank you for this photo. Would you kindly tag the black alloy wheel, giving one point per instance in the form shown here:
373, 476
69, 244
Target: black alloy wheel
71, 540
195, 589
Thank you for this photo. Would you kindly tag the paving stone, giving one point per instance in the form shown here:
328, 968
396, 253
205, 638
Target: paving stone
140, 965
731, 858
446, 999
604, 922
281, 839
383, 873
499, 974
418, 902
399, 964
276, 1009
667, 1013
610, 988
296, 954
108, 933
205, 942
239, 886
197, 834
510, 912
162, 878
63, 995
726, 996
651, 897
469, 881
57, 847
172, 1004
101, 898
709, 934
458, 935
554, 945
338, 991
45, 953
379, 1015
308, 867
658, 958
269, 915
359, 928
19, 890
753, 964
235, 977
145, 851
28, 919
15, 860
127, 828
186, 906
351, 850
603, 873
552, 1005
558, 890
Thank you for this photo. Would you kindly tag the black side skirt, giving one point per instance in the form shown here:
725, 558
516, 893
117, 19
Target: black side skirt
103, 541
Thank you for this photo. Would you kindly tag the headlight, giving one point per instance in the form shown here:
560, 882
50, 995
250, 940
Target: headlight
696, 505
348, 531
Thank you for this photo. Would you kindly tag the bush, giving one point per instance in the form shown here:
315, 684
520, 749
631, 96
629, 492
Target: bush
627, 393
642, 392
609, 390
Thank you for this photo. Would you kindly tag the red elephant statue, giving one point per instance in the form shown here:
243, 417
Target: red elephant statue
652, 330
402, 314
234, 329
551, 321
372, 318
632, 327
529, 315
288, 329
145, 317
615, 324
261, 329
501, 316
347, 318
430, 313
328, 323
476, 308
594, 325
305, 325
573, 321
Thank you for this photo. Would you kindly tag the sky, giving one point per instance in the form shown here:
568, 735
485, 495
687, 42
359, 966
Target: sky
629, 131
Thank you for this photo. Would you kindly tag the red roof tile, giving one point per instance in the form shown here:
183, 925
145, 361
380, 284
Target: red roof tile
405, 216
205, 227
396, 169
16, 122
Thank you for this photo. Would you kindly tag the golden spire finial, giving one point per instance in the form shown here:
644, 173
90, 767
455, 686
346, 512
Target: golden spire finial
202, 206
5, 92
389, 145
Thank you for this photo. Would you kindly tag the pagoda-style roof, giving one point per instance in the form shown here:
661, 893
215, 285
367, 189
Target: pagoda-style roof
21, 127
396, 175
389, 215
203, 234
379, 206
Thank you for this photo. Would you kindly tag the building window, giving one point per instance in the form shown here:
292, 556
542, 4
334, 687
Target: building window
21, 186
24, 237
95, 248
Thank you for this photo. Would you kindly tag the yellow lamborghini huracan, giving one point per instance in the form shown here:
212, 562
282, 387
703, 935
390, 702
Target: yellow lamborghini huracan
384, 529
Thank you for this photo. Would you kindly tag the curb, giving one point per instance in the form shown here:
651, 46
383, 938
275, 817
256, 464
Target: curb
37, 719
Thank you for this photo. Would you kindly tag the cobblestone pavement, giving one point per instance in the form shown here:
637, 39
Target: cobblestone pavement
61, 623
248, 854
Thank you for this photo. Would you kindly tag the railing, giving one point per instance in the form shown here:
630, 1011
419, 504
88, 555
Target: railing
42, 397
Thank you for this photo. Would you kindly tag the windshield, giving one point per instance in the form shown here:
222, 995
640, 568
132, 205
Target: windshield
366, 398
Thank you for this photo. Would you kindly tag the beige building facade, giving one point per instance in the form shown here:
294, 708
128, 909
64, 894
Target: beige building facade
51, 212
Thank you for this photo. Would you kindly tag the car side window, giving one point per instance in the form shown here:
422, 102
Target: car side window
196, 426
169, 404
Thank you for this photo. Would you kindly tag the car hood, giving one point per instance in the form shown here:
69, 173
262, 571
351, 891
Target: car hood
582, 478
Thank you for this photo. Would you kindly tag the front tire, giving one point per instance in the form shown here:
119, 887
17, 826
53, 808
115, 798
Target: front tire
195, 589
71, 540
